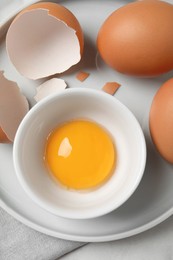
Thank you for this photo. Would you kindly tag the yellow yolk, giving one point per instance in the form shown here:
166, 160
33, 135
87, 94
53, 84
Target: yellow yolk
80, 154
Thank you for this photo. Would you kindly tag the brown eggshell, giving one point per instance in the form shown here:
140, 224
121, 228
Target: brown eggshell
137, 39
161, 120
14, 107
82, 75
3, 137
111, 87
43, 40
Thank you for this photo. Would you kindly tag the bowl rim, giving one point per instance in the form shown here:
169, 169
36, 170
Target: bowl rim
16, 161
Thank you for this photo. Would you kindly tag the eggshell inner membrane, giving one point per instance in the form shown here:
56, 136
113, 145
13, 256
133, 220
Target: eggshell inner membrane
61, 13
50, 87
13, 106
40, 45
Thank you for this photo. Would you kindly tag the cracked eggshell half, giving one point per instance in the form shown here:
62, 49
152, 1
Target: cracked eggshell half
44, 39
14, 107
50, 87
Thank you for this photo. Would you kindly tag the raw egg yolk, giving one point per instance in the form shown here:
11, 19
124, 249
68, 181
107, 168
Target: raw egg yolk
80, 154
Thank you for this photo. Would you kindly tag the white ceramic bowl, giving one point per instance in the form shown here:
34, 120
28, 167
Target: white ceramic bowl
72, 104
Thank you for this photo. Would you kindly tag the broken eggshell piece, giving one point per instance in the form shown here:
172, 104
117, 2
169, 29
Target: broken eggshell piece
3, 137
82, 75
44, 39
111, 87
50, 87
14, 107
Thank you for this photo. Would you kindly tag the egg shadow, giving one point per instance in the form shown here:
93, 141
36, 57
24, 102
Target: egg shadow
128, 1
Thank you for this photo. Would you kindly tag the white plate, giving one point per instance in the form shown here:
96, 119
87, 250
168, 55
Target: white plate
152, 202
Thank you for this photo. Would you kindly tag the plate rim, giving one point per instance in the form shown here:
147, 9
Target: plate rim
79, 238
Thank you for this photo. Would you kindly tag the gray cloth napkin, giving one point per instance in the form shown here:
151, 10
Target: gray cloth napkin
19, 242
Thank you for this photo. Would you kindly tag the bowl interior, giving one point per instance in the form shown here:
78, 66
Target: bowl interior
30, 143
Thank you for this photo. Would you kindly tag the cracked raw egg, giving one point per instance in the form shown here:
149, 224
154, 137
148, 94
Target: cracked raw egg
80, 154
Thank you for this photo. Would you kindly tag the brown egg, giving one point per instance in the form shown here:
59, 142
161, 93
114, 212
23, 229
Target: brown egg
137, 39
161, 120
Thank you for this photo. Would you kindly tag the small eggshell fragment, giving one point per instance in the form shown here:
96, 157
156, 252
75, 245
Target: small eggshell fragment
50, 87
137, 39
3, 137
14, 107
44, 39
161, 120
111, 87
82, 75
